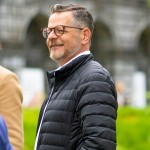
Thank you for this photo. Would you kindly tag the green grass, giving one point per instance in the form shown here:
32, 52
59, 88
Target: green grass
133, 127
30, 125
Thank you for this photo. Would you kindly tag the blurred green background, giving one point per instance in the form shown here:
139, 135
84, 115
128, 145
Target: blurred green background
132, 128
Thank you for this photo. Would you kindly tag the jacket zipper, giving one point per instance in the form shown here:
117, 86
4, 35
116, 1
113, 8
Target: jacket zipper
37, 137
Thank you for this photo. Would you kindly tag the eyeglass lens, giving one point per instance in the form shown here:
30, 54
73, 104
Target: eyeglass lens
58, 30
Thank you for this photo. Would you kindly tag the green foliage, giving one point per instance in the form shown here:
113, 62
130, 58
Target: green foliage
148, 1
30, 125
132, 128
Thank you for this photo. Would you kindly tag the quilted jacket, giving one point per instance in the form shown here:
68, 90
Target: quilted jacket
80, 110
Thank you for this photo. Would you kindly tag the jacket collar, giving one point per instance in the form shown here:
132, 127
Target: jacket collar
68, 69
83, 53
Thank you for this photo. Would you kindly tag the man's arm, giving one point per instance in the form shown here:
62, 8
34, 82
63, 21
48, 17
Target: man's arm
11, 109
98, 109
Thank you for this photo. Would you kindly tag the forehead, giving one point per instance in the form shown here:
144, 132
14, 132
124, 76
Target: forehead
60, 18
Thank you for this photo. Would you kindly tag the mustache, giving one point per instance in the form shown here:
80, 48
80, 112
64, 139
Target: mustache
54, 43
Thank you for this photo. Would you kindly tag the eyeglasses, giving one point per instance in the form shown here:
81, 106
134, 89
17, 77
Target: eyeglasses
58, 30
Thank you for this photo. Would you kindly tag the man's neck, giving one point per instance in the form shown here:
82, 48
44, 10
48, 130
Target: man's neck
80, 54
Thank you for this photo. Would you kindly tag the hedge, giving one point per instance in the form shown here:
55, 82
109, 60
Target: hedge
132, 128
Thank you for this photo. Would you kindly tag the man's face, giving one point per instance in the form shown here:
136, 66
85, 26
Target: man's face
65, 47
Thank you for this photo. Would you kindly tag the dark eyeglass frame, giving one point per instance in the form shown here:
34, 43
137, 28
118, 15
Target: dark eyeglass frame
46, 31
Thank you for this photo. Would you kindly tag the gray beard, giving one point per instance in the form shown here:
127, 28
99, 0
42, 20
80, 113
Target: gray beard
68, 54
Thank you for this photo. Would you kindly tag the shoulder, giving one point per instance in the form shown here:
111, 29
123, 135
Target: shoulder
6, 74
94, 70
5, 71
93, 74
96, 85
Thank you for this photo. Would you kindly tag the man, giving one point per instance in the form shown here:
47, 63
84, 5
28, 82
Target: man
80, 110
11, 106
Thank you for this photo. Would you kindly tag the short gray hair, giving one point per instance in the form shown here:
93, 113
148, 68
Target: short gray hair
82, 16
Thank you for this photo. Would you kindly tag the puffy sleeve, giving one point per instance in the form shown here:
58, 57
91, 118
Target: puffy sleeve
98, 112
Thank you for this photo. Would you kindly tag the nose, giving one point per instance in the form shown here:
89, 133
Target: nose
52, 35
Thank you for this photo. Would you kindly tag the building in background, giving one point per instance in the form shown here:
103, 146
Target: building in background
121, 40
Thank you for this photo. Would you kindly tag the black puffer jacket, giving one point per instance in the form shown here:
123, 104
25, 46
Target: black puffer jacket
82, 108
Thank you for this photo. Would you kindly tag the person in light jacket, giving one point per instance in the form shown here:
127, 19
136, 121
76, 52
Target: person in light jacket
80, 110
11, 99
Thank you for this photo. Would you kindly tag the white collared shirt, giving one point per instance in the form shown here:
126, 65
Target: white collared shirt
83, 53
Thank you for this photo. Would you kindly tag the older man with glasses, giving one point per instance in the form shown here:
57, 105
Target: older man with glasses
80, 110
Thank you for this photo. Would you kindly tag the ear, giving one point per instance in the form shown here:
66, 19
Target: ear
86, 35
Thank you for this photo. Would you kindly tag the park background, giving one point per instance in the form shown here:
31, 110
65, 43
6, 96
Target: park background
121, 43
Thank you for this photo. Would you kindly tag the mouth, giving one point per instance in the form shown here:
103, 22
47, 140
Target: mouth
56, 45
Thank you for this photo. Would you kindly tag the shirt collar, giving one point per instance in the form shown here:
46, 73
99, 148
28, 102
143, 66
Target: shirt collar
83, 53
